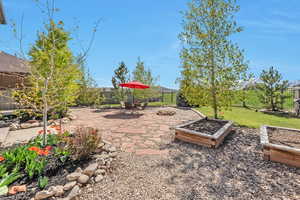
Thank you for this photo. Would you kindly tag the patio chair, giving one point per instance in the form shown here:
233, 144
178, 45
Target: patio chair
142, 106
129, 105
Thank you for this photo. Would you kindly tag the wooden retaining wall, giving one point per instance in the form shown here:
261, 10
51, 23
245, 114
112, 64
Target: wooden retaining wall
212, 141
279, 153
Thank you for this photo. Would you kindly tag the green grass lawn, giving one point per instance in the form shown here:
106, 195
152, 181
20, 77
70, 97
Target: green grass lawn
250, 118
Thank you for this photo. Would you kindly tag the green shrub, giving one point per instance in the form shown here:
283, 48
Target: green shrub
43, 182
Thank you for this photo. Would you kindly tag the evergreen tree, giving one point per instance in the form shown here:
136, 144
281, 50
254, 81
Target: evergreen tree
121, 75
272, 89
89, 93
212, 64
146, 77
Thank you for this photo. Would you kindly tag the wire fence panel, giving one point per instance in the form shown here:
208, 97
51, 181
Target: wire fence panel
253, 100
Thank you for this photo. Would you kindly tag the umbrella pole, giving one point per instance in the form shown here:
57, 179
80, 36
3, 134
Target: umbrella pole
133, 96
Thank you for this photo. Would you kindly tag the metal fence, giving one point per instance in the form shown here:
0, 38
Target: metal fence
163, 96
253, 100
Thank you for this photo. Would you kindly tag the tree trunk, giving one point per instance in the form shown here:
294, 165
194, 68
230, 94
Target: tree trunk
214, 96
45, 112
272, 103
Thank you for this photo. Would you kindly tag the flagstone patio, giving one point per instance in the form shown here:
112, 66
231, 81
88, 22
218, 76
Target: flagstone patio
141, 133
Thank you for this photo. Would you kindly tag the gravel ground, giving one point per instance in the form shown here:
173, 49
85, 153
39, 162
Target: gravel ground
235, 170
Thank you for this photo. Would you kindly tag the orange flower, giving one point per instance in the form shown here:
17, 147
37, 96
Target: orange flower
2, 158
43, 152
36, 149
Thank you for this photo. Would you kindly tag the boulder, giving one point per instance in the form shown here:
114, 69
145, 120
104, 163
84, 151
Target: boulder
90, 170
44, 194
83, 179
29, 125
74, 192
14, 127
78, 170
73, 176
100, 172
98, 178
58, 190
15, 189
68, 186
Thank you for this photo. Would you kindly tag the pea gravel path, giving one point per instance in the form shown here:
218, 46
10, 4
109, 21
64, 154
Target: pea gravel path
235, 170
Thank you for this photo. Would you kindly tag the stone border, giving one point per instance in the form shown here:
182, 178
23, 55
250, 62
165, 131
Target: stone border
203, 139
279, 153
93, 173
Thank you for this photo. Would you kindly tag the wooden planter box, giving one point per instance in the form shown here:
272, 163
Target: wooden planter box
278, 152
208, 140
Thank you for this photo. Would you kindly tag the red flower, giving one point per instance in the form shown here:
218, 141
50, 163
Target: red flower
42, 131
2, 158
48, 148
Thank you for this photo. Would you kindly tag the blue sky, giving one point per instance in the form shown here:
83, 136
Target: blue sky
149, 29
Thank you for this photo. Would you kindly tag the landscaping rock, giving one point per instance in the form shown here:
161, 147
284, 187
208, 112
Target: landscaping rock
68, 186
109, 148
74, 192
78, 170
29, 125
73, 176
32, 121
98, 178
113, 154
65, 120
4, 124
100, 145
44, 194
58, 190
83, 179
72, 117
90, 170
100, 172
14, 127
15, 189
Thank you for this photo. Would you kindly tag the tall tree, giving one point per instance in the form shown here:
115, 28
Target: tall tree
145, 76
215, 64
89, 93
54, 76
272, 89
121, 75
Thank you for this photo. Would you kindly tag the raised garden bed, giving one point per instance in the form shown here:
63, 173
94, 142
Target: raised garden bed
205, 132
281, 144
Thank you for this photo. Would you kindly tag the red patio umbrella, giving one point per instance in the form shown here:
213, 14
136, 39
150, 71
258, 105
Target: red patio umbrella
134, 85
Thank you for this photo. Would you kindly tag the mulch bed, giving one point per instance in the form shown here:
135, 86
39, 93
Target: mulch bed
284, 137
206, 126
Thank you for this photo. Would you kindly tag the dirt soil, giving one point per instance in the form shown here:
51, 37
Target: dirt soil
206, 126
234, 171
284, 137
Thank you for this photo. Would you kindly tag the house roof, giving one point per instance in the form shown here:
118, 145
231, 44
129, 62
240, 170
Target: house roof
2, 17
12, 64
